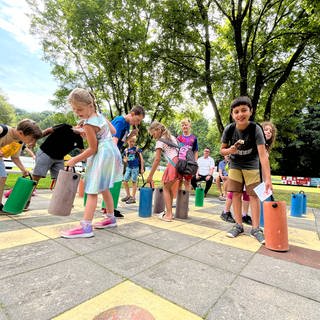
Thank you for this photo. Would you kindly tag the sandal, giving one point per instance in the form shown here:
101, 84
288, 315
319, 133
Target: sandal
163, 217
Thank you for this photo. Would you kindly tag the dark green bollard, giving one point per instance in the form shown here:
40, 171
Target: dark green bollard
19, 196
115, 192
199, 198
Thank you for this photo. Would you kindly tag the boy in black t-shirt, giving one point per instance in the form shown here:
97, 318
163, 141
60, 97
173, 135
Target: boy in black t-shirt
62, 139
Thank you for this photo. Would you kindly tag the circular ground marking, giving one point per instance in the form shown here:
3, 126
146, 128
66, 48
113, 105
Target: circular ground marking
127, 312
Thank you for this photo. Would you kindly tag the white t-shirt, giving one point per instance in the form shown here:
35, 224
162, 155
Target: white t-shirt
205, 164
169, 152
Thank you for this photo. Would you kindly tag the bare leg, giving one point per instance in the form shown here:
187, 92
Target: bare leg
236, 199
134, 189
108, 200
126, 187
2, 184
91, 206
168, 197
255, 211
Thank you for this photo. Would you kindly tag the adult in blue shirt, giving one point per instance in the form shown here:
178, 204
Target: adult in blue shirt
122, 125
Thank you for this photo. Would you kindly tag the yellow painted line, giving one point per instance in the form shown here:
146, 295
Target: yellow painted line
304, 238
19, 237
244, 241
196, 230
128, 293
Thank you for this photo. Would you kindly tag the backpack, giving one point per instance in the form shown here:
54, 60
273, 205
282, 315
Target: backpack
186, 165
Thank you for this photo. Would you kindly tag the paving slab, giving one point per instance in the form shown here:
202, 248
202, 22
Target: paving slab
42, 294
34, 256
129, 258
186, 282
249, 299
292, 277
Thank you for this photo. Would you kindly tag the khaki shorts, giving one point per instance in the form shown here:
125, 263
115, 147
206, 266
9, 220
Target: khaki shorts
237, 178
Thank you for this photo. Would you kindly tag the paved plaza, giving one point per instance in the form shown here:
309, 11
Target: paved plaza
182, 270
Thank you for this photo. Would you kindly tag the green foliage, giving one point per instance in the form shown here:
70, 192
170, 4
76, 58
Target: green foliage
299, 137
7, 112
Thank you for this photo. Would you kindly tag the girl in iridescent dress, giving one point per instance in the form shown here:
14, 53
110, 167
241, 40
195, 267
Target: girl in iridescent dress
104, 164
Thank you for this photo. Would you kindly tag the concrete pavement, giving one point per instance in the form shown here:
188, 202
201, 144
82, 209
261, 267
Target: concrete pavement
185, 269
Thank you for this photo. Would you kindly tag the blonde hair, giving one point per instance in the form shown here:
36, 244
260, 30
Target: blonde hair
185, 120
83, 96
165, 133
271, 141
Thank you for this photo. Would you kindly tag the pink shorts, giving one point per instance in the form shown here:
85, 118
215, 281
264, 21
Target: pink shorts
171, 174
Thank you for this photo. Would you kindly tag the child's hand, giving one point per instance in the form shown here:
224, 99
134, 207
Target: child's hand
239, 143
149, 179
233, 149
70, 163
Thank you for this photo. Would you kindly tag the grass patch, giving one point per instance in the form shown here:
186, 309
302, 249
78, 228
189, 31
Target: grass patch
281, 192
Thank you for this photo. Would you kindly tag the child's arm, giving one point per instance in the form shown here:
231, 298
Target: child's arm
141, 161
111, 127
155, 164
265, 166
18, 163
92, 146
30, 152
47, 131
225, 151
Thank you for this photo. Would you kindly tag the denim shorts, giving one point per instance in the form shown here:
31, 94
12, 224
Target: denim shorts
131, 172
3, 172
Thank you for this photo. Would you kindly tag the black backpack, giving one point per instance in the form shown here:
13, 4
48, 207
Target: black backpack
186, 165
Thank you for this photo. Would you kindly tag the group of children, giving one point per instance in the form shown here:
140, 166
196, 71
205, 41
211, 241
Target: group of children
242, 142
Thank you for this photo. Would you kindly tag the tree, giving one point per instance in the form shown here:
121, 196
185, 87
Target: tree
7, 113
230, 48
299, 141
106, 47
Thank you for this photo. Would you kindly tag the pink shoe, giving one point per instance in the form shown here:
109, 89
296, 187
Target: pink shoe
7, 193
79, 232
109, 222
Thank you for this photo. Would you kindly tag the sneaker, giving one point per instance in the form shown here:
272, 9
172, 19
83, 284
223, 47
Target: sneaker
117, 214
258, 234
235, 231
125, 198
108, 222
247, 219
131, 200
84, 231
227, 216
222, 198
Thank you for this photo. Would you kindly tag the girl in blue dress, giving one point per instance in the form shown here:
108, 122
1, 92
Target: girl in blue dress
104, 164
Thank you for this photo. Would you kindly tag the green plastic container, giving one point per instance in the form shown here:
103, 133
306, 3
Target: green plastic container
199, 197
115, 192
20, 195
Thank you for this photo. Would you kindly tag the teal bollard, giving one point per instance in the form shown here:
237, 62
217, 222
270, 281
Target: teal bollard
296, 205
304, 202
145, 201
